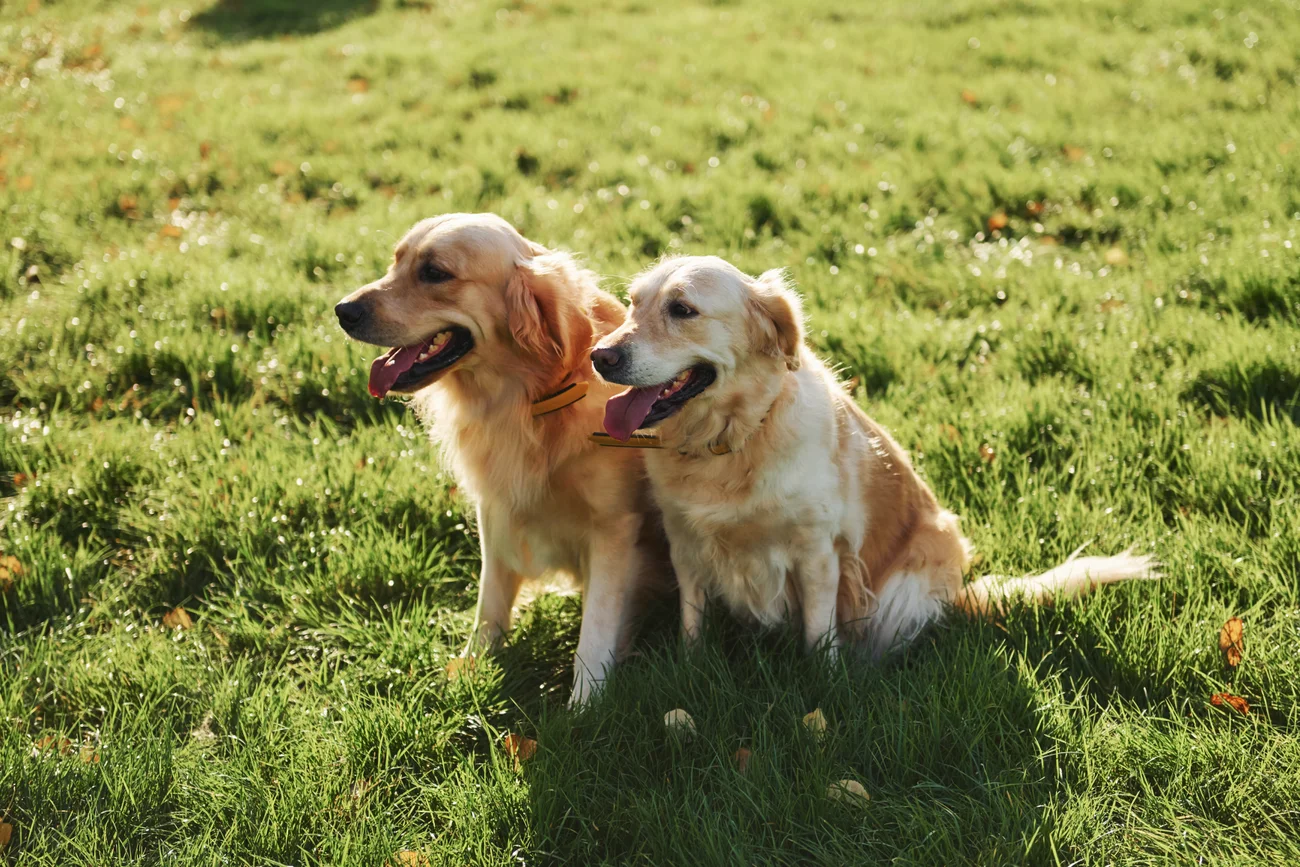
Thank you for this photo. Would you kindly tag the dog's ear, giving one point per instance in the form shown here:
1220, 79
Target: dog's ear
545, 307
780, 316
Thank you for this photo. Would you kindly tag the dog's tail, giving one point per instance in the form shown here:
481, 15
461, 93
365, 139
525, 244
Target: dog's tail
1075, 577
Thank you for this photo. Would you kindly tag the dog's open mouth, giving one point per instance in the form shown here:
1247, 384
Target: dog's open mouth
651, 404
407, 368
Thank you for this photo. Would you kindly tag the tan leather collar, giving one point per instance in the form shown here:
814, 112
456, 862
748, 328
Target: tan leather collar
645, 441
567, 396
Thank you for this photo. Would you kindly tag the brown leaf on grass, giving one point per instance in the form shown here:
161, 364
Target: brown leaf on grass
410, 858
177, 618
6, 834
170, 231
97, 404
815, 722
519, 748
459, 667
987, 455
49, 743
1236, 702
21, 479
25, 183
205, 149
1232, 641
969, 97
89, 755
1035, 208
358, 84
741, 758
951, 433
997, 220
217, 313
1116, 256
7, 575
282, 167
848, 791
1073, 153
1111, 304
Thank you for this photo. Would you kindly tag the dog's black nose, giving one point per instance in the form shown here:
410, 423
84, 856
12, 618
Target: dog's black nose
608, 360
350, 313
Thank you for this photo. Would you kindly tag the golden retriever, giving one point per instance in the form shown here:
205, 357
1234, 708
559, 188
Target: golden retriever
779, 495
486, 327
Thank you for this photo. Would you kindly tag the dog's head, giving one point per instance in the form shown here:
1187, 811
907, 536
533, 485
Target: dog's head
699, 329
466, 289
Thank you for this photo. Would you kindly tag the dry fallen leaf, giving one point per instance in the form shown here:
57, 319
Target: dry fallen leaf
997, 220
1074, 153
459, 667
1116, 256
205, 149
282, 167
6, 834
987, 454
49, 743
410, 858
519, 748
679, 722
358, 84
177, 618
969, 97
1232, 641
815, 722
89, 755
848, 791
1034, 208
1236, 702
170, 231
10, 568
951, 432
741, 758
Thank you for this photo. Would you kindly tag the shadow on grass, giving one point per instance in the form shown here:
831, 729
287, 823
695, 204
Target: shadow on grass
263, 19
946, 740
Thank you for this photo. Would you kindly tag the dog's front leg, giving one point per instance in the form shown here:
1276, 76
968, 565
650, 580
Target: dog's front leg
818, 573
498, 585
691, 590
615, 563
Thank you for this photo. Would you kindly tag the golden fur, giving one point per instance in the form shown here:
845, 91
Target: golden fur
547, 500
815, 511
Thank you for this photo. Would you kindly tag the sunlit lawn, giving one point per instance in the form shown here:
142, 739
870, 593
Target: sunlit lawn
1054, 246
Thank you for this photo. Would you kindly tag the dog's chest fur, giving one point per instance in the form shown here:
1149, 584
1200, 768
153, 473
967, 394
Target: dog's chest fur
742, 535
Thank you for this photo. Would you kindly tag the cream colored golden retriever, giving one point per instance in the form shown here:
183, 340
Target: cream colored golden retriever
779, 495
491, 333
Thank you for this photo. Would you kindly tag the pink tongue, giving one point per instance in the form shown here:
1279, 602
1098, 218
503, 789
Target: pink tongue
625, 412
385, 369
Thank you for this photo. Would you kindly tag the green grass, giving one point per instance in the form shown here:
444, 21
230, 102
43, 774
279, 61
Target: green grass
189, 190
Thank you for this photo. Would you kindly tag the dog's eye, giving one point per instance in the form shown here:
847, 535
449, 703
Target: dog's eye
431, 273
678, 310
